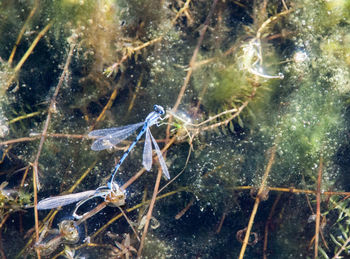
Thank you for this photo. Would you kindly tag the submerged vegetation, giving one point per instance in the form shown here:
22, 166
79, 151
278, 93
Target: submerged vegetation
255, 135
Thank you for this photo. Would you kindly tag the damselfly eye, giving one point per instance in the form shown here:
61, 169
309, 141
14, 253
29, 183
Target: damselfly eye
159, 109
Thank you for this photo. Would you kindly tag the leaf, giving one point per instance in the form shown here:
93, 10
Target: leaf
335, 240
343, 231
240, 122
324, 254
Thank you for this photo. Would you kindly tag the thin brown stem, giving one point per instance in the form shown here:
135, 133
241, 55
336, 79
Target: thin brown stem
184, 210
24, 27
149, 213
36, 216
107, 106
91, 213
318, 206
191, 64
218, 230
130, 223
2, 253
137, 89
284, 5
257, 201
181, 11
4, 220
50, 110
38, 136
25, 57
290, 190
268, 21
26, 116
32, 46
268, 222
24, 176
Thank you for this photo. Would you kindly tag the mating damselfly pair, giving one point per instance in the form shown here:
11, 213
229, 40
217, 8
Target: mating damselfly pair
107, 139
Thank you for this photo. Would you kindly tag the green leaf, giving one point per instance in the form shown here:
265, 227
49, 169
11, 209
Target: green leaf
324, 254
335, 240
240, 122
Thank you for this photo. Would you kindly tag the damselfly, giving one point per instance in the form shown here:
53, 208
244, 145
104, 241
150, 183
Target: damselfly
108, 138
114, 197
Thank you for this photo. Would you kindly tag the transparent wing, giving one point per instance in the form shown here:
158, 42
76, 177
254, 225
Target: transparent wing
147, 151
57, 201
113, 131
108, 138
102, 192
160, 158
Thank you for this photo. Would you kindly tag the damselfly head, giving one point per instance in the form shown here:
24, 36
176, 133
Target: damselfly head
159, 109
116, 197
